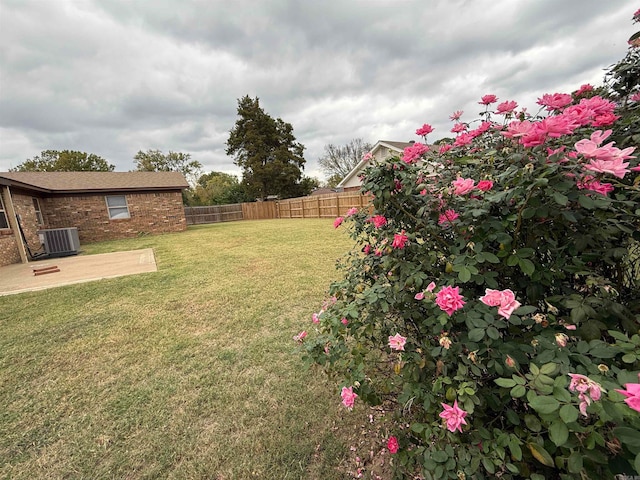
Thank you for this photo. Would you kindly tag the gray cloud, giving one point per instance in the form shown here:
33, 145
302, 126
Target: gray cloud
116, 77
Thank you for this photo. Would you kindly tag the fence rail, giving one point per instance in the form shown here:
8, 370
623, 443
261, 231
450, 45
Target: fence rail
317, 206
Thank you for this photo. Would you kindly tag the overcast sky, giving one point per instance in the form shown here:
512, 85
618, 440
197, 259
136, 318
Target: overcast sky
112, 77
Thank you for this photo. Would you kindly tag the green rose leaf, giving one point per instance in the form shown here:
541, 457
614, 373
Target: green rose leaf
544, 404
558, 433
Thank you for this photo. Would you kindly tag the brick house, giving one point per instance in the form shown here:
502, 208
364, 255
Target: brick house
101, 205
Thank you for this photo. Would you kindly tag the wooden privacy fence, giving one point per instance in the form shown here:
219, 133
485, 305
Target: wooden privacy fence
322, 206
318, 206
213, 214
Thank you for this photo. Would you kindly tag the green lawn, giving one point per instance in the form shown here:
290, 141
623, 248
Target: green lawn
189, 372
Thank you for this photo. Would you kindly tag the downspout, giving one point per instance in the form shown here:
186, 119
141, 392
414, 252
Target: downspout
13, 223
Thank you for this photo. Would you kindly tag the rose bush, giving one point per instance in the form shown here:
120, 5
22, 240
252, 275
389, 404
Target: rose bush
492, 298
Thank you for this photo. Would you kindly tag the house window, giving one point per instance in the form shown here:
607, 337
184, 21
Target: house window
38, 210
3, 215
117, 206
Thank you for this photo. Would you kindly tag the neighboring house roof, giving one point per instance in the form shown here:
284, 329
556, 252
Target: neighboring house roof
78, 182
397, 147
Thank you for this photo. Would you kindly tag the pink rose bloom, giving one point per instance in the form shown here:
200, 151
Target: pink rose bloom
315, 318
632, 394
492, 298
426, 129
397, 342
485, 185
454, 416
508, 304
463, 139
445, 219
459, 127
337, 222
555, 101
635, 98
351, 211
344, 321
414, 152
604, 120
431, 287
590, 183
518, 129
506, 107
399, 240
456, 115
616, 167
366, 249
449, 299
556, 127
505, 300
444, 148
584, 89
488, 99
378, 221
463, 185
598, 105
348, 397
367, 156
300, 336
419, 296
392, 445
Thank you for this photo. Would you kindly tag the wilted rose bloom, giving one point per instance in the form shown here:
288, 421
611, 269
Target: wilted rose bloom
348, 397
587, 389
454, 416
337, 222
449, 299
445, 341
397, 342
299, 337
561, 340
485, 185
392, 445
488, 99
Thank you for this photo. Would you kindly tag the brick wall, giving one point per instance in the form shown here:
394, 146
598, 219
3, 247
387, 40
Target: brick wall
8, 249
150, 212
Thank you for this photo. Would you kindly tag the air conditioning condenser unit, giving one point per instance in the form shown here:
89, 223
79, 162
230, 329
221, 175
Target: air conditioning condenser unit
60, 242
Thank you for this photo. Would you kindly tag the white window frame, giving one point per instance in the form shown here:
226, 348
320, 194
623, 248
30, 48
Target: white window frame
118, 210
3, 214
38, 209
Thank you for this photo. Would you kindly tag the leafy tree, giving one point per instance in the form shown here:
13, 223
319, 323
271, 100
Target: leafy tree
156, 161
266, 150
338, 161
217, 188
64, 161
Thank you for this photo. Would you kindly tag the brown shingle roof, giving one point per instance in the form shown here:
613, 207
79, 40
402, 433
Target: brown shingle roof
68, 182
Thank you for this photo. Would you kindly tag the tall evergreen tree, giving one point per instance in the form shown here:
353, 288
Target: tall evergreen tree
266, 150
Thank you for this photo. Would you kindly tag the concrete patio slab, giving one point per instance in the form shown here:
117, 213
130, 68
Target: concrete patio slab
20, 278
